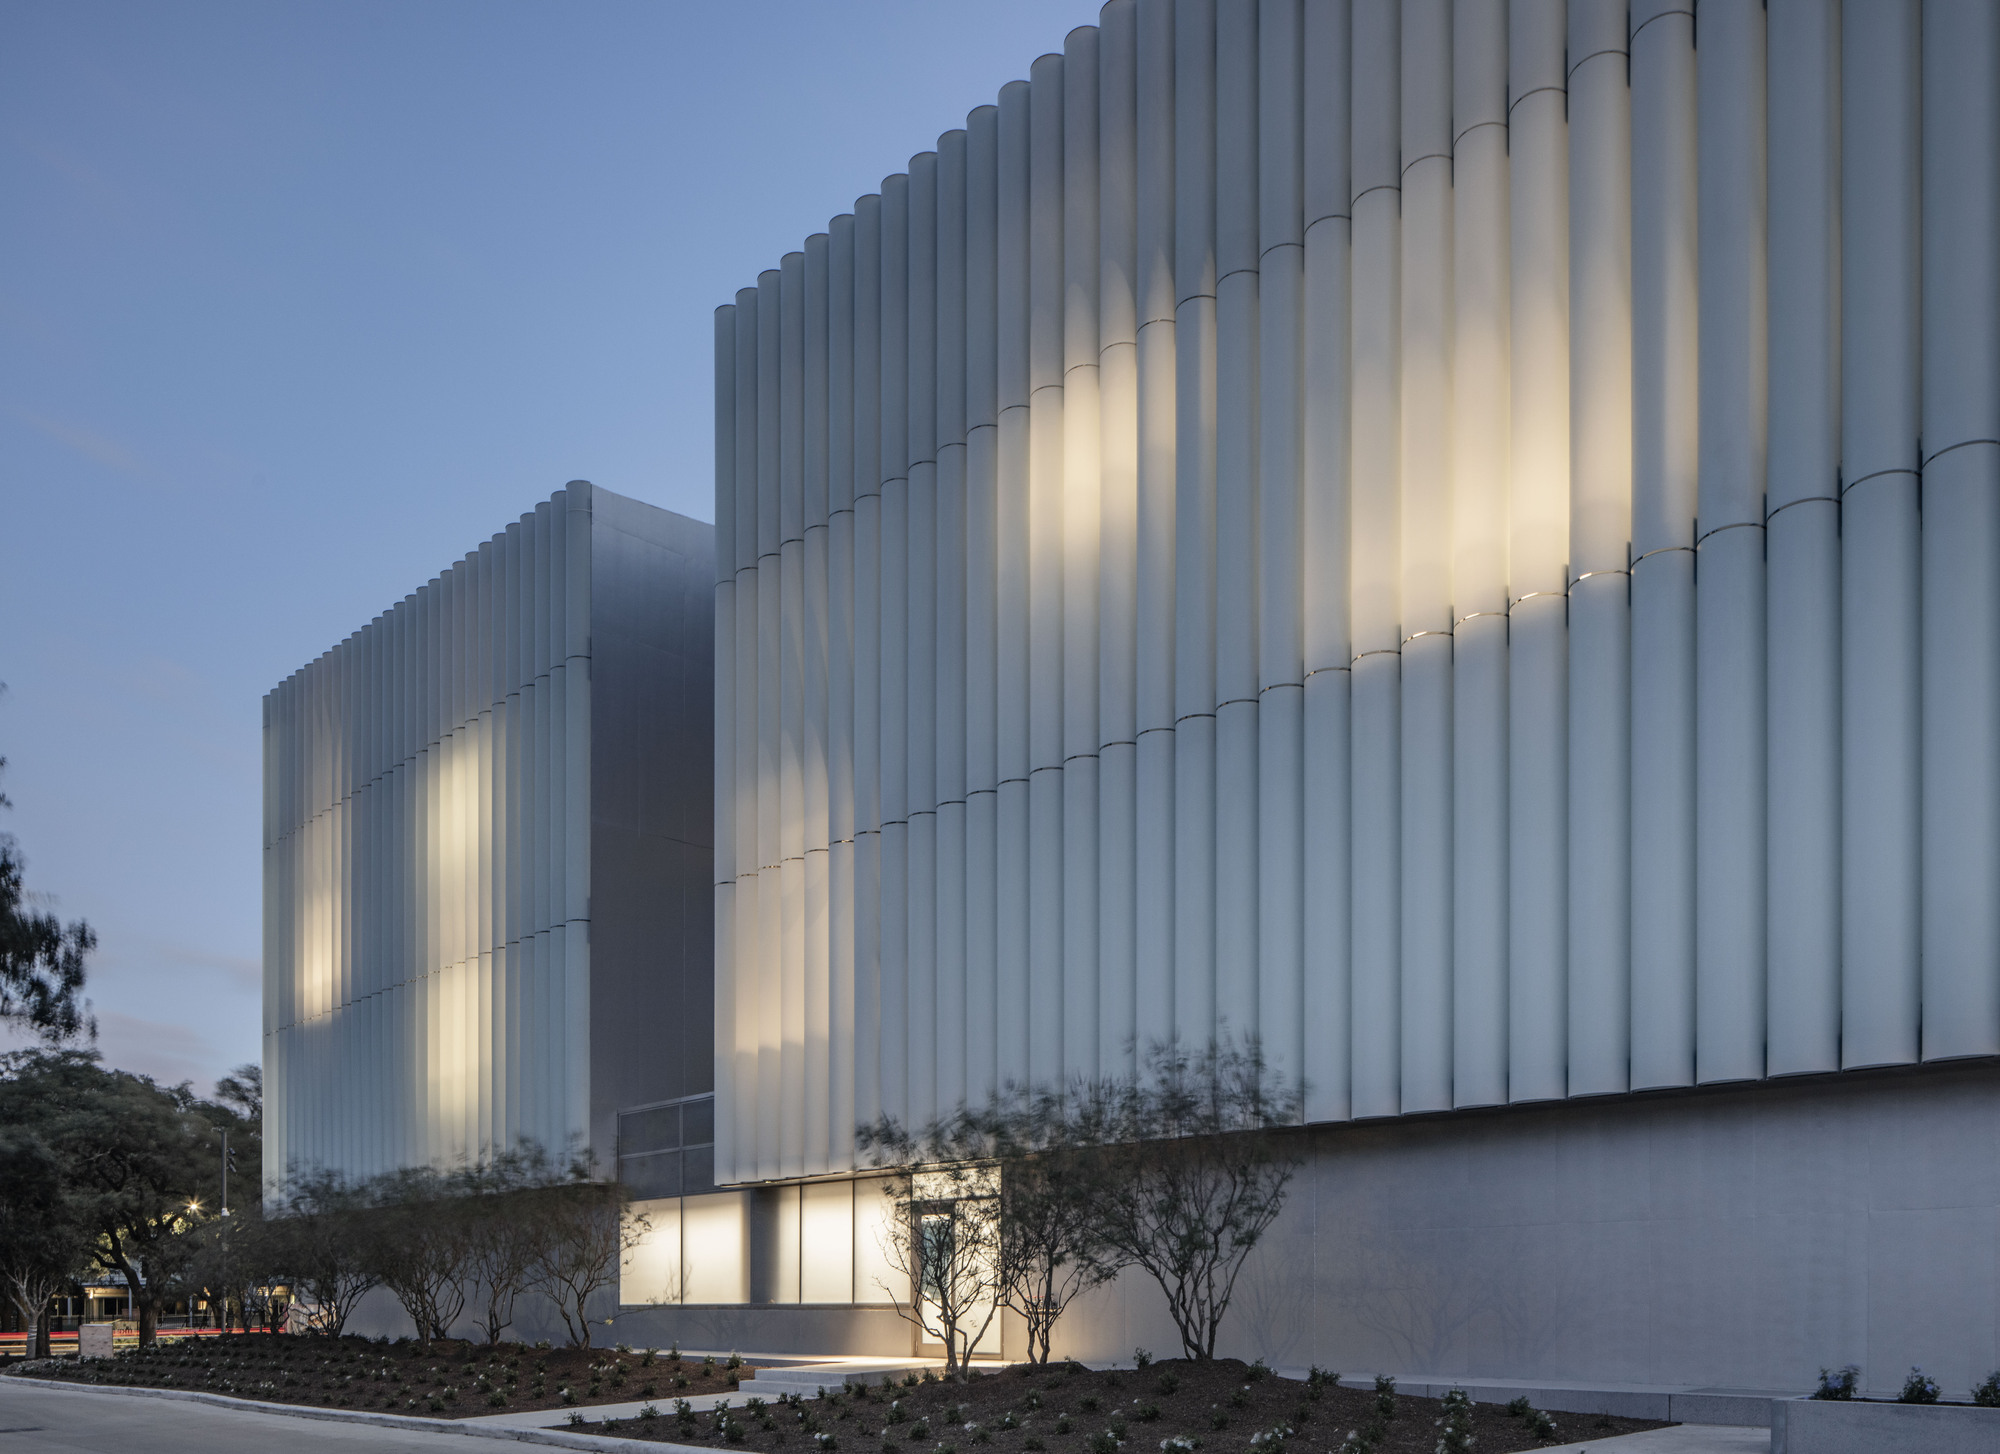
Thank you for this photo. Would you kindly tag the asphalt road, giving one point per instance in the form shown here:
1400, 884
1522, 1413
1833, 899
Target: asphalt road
63, 1421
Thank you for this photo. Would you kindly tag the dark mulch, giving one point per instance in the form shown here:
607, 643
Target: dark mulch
448, 1379
1224, 1407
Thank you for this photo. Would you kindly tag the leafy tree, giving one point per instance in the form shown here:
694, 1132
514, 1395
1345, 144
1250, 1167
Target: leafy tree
242, 1091
1192, 1170
231, 1249
41, 958
42, 1243
943, 1232
136, 1158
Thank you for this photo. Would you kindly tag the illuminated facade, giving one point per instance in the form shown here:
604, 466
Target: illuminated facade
1460, 539
486, 849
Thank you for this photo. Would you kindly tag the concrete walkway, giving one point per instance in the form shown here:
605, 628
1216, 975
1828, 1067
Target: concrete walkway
49, 1419
770, 1384
1680, 1439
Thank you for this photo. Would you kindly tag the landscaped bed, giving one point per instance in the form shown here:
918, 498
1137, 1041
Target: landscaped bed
1223, 1407
446, 1379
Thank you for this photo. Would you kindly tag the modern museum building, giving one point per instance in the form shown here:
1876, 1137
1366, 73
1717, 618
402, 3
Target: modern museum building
1458, 540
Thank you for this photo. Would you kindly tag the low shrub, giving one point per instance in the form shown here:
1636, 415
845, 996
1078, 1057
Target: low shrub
1455, 1428
1837, 1385
1918, 1388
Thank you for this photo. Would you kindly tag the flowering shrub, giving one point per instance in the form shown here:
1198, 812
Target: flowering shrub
1385, 1397
1455, 1428
1918, 1388
1987, 1394
1837, 1384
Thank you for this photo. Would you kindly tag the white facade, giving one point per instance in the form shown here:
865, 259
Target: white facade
1460, 539
448, 839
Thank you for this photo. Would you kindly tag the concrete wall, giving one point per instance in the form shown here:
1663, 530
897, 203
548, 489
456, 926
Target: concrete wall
1740, 1237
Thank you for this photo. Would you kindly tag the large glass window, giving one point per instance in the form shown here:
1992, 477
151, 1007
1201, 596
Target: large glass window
668, 1150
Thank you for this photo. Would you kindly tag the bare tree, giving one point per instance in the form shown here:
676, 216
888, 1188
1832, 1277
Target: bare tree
943, 1232
1191, 1173
1052, 1249
423, 1248
581, 1233
324, 1241
501, 1226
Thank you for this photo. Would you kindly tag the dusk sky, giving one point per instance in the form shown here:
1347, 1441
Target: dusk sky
301, 301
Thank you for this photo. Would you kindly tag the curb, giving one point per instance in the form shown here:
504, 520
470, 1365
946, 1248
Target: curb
560, 1438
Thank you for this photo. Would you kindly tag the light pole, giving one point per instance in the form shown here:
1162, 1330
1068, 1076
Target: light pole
225, 1229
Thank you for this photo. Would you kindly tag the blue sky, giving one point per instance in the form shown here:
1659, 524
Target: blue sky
298, 302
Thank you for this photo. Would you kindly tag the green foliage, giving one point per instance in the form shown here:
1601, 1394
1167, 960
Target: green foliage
1919, 1388
44, 1244
1987, 1395
42, 959
1832, 1384
140, 1166
1385, 1397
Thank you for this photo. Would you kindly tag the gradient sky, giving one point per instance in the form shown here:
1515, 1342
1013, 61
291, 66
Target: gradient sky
301, 301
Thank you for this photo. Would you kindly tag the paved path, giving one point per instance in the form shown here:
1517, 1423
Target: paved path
65, 1421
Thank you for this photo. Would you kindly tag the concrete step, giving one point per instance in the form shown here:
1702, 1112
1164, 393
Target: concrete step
810, 1379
